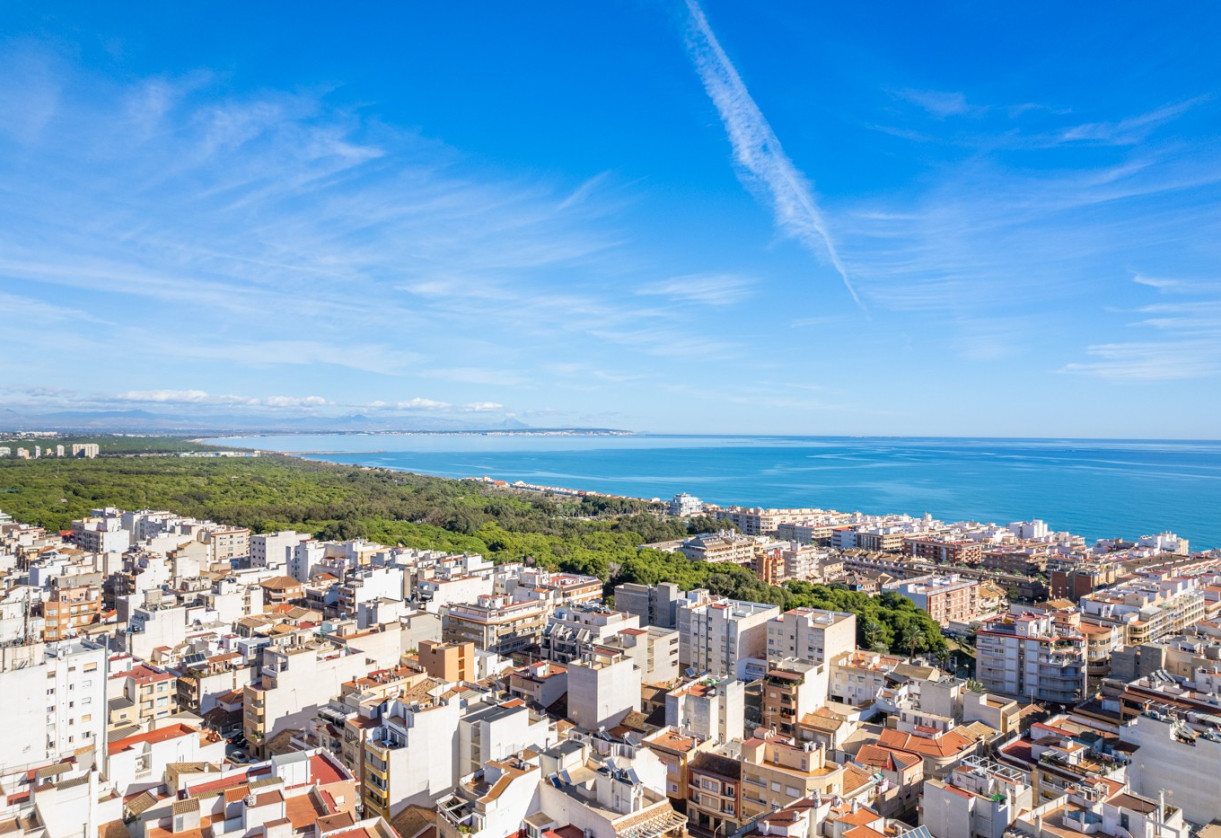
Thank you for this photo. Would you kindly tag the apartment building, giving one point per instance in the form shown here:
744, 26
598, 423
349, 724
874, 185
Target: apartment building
720, 636
226, 543
811, 634
448, 662
654, 605
684, 505
719, 547
1173, 755
274, 550
101, 533
947, 599
805, 532
709, 708
54, 698
776, 772
149, 692
791, 690
496, 624
602, 690
75, 602
979, 799
945, 551
1032, 657
573, 631
882, 539
856, 678
1147, 609
714, 794
490, 730
294, 681
654, 650
409, 757
542, 683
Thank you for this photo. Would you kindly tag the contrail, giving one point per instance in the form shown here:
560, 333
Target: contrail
756, 148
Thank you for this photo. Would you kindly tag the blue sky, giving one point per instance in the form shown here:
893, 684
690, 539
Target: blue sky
759, 218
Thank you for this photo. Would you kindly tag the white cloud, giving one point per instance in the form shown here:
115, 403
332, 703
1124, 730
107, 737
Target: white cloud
422, 404
709, 289
756, 148
203, 397
482, 407
1188, 344
296, 401
938, 103
186, 396
1132, 130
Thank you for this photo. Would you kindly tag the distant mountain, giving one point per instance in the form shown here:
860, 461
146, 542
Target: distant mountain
144, 421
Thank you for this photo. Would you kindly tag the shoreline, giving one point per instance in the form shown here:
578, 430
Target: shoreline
1112, 523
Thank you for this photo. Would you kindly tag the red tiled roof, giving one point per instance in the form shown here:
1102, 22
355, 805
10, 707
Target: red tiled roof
151, 737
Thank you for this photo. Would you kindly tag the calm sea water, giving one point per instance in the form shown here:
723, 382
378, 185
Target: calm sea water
1094, 488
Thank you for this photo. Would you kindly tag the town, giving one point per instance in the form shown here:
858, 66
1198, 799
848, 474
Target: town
167, 676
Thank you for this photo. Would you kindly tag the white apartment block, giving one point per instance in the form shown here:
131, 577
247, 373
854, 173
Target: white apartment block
811, 634
602, 691
719, 636
710, 708
684, 505
274, 550
54, 696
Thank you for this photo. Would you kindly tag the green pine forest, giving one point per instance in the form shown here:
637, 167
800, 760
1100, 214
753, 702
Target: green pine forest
593, 535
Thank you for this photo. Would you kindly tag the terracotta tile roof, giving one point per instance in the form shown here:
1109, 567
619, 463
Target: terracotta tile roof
939, 747
885, 759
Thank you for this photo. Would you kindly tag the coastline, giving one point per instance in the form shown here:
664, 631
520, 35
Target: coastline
1100, 490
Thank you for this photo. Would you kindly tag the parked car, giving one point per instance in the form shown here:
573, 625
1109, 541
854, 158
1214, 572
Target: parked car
239, 758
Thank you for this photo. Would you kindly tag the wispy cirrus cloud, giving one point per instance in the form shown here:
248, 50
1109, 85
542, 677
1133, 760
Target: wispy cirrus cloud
709, 289
939, 103
1132, 130
273, 232
1185, 342
757, 150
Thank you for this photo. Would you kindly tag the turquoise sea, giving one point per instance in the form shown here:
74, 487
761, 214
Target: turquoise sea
1095, 488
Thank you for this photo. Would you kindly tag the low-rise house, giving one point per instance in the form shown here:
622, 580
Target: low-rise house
940, 750
902, 774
